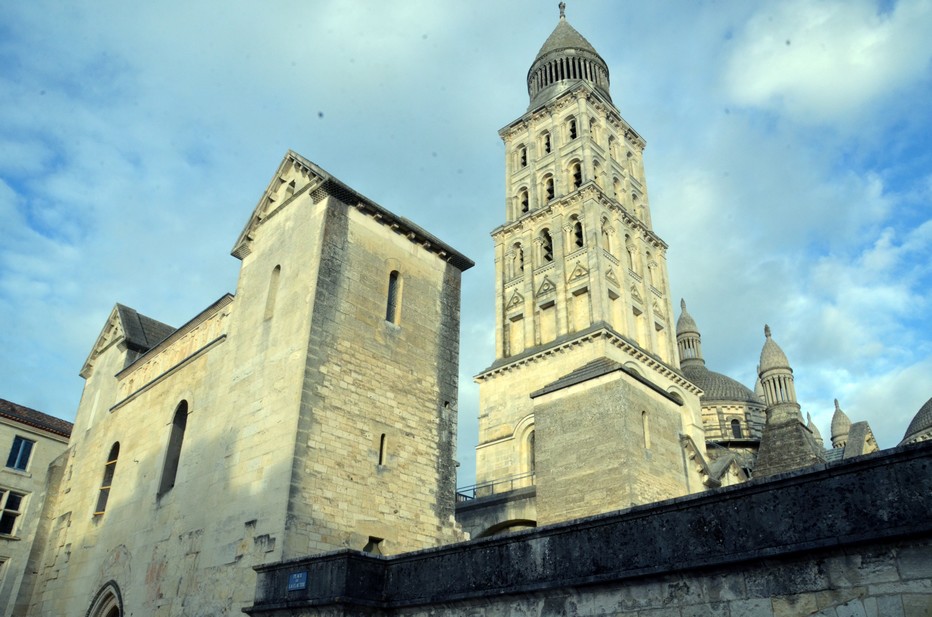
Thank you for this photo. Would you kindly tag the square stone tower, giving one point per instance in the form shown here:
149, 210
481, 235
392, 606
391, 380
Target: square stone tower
581, 281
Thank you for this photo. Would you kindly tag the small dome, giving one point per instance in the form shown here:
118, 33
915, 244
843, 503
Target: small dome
718, 387
685, 324
921, 426
841, 423
771, 356
566, 58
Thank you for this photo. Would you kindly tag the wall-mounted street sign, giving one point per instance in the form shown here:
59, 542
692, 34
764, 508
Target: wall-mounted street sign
297, 580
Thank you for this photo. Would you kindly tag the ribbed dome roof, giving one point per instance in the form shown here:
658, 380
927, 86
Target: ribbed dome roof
841, 423
565, 59
718, 387
922, 422
686, 323
771, 356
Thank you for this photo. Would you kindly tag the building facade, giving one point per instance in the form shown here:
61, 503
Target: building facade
313, 410
30, 440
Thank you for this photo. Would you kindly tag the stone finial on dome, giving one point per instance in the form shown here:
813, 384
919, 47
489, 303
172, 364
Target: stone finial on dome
685, 323
562, 6
814, 430
920, 429
841, 424
771, 356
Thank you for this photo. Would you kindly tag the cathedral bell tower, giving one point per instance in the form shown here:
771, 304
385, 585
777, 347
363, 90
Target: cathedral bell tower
581, 284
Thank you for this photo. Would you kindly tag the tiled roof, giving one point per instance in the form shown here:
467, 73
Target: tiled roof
142, 333
597, 368
34, 418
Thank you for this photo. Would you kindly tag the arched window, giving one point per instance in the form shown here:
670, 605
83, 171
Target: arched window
173, 452
645, 423
576, 172
571, 128
594, 130
545, 142
736, 429
523, 201
531, 456
612, 147
597, 172
393, 298
273, 292
546, 246
518, 260
107, 482
578, 238
548, 188
629, 249
521, 156
606, 235
107, 603
616, 185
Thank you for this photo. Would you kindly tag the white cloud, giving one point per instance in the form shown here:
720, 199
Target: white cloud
826, 60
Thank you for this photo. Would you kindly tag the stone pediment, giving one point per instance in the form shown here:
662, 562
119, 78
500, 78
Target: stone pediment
635, 295
546, 288
610, 275
294, 175
517, 300
579, 272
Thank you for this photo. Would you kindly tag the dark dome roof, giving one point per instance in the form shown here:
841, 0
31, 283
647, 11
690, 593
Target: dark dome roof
565, 59
718, 387
922, 422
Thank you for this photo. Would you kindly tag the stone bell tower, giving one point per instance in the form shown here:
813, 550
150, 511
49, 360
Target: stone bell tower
581, 285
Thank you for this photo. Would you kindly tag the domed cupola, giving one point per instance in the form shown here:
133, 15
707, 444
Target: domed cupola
771, 356
688, 339
776, 375
841, 426
565, 59
920, 429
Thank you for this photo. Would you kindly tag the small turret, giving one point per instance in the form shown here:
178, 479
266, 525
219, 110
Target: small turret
775, 374
688, 339
841, 425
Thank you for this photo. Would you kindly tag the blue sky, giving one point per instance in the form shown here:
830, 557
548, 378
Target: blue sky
789, 166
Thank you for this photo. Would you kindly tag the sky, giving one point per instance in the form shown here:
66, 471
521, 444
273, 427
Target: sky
788, 166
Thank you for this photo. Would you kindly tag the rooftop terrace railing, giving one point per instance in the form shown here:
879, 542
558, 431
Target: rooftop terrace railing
503, 485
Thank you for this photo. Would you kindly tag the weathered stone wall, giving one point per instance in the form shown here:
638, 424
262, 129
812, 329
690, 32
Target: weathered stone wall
608, 444
849, 538
264, 465
367, 378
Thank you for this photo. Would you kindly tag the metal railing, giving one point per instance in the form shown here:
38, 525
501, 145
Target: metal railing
503, 485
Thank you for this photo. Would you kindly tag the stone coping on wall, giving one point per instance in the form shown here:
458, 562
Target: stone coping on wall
877, 498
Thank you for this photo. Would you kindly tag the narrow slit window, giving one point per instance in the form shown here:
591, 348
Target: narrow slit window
393, 300
571, 126
645, 421
548, 188
109, 469
173, 452
576, 170
273, 292
382, 445
578, 234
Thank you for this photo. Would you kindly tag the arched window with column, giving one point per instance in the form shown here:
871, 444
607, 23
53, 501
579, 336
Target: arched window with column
546, 246
736, 429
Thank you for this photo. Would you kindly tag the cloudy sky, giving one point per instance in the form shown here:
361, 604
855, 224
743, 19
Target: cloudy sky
789, 166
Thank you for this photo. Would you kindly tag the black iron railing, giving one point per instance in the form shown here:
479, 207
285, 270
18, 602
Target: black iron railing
468, 493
